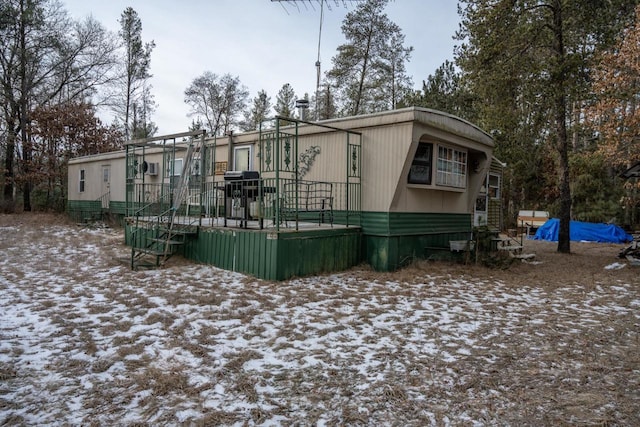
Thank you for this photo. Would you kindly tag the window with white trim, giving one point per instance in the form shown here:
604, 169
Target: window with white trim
451, 167
176, 167
81, 181
242, 158
493, 186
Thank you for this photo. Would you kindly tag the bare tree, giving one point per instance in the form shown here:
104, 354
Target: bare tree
44, 57
220, 100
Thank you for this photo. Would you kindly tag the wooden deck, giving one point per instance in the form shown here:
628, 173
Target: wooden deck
251, 224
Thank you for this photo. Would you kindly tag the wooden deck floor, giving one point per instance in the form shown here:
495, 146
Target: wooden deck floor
251, 224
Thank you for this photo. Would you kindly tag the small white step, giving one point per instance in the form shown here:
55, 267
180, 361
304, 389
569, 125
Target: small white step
523, 256
510, 248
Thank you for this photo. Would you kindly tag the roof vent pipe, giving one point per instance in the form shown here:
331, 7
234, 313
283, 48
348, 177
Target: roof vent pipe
302, 105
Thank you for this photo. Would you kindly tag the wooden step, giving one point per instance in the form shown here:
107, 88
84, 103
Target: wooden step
180, 231
148, 251
144, 265
170, 242
510, 248
523, 257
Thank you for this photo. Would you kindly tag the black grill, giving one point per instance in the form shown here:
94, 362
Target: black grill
241, 183
240, 175
242, 188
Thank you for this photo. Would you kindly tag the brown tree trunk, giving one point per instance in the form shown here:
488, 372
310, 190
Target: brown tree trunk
562, 142
8, 202
564, 240
24, 113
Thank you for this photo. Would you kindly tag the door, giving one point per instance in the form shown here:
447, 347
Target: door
480, 214
480, 211
242, 158
105, 194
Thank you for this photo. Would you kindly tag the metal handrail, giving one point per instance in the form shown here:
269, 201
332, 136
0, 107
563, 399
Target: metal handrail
106, 197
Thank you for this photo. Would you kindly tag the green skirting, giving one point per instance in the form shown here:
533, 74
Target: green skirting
274, 255
392, 240
386, 241
84, 210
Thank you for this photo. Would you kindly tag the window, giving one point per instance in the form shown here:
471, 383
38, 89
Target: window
451, 167
242, 158
196, 163
494, 186
176, 168
420, 172
81, 181
105, 174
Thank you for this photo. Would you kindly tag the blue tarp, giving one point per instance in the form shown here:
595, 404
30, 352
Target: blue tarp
583, 231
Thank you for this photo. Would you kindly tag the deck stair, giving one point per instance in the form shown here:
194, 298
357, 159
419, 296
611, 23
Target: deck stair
513, 246
157, 238
509, 244
154, 242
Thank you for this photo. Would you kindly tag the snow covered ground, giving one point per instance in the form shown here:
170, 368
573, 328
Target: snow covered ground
86, 341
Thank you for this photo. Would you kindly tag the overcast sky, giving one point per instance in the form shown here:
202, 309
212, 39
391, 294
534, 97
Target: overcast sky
265, 43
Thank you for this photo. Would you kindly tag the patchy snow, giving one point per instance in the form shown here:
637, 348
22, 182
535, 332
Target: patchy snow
87, 341
615, 266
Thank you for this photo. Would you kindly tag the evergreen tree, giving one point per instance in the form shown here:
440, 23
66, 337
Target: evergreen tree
195, 125
445, 91
258, 113
595, 191
325, 104
141, 124
137, 63
528, 64
285, 101
368, 71
392, 75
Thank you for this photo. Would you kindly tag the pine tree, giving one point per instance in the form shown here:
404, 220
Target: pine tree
137, 63
595, 192
141, 125
526, 62
445, 91
393, 78
258, 113
325, 104
285, 101
368, 71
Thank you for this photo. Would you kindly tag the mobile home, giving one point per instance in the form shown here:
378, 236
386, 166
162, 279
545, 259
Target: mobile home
298, 198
